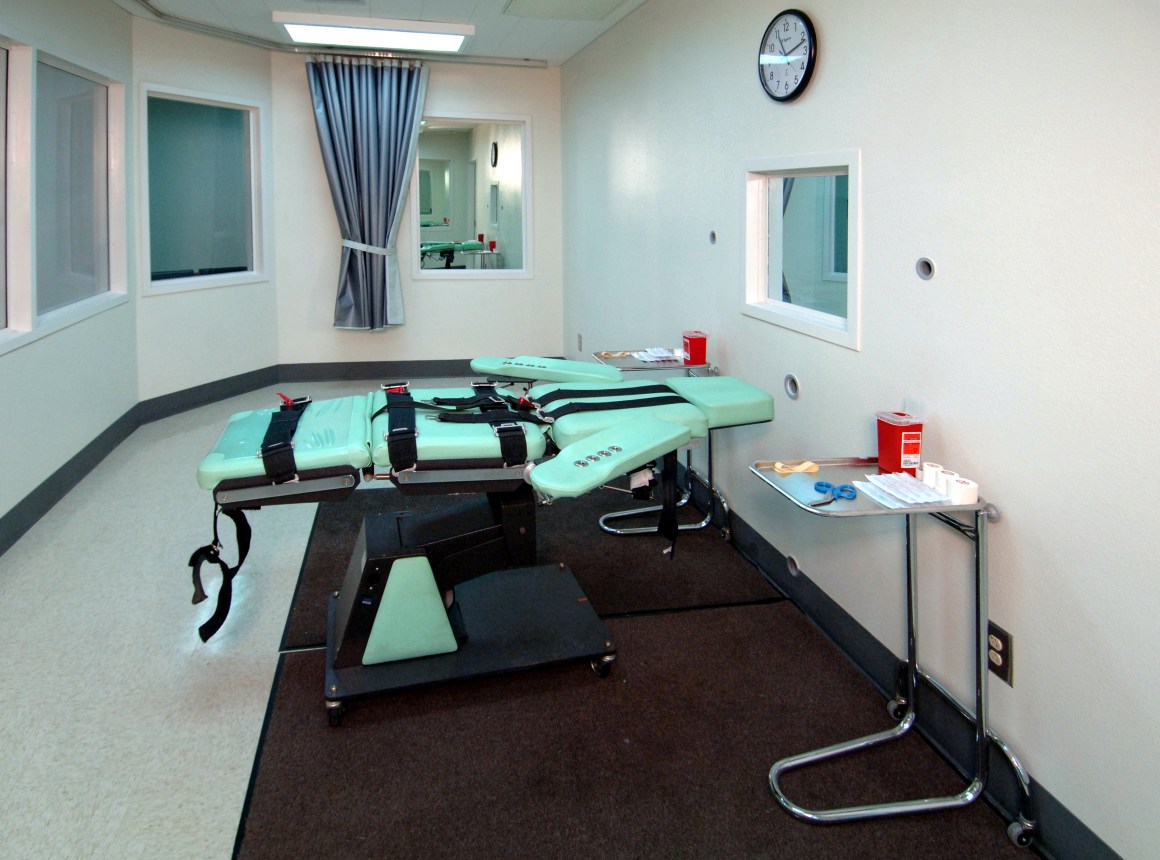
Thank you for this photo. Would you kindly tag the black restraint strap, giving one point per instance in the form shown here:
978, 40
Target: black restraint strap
277, 451
402, 437
600, 406
586, 393
212, 554
513, 442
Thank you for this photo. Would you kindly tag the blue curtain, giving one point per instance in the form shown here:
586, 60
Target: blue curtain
367, 112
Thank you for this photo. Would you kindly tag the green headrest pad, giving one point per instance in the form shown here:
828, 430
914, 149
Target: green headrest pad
533, 369
597, 459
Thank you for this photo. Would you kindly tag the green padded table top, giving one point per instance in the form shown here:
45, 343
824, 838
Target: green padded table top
572, 428
726, 401
442, 440
329, 433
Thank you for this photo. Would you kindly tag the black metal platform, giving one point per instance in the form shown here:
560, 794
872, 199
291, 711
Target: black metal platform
514, 619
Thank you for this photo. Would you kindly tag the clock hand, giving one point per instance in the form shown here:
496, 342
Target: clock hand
777, 36
794, 48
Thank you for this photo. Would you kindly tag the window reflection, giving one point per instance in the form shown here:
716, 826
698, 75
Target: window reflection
812, 212
470, 197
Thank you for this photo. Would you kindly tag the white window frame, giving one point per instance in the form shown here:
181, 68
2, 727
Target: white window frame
24, 324
259, 186
757, 301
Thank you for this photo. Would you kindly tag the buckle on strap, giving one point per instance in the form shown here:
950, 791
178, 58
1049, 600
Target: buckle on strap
296, 404
276, 448
509, 428
395, 387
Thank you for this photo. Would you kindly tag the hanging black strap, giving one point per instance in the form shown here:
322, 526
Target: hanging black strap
668, 526
277, 451
212, 554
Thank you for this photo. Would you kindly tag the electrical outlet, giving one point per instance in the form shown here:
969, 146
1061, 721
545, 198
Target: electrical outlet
1000, 652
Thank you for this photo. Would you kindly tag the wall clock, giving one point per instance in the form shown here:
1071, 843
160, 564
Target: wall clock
788, 53
494, 153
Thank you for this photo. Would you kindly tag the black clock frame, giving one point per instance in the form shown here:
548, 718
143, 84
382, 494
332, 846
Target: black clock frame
811, 57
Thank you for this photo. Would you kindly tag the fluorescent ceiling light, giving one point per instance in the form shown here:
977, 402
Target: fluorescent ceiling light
382, 33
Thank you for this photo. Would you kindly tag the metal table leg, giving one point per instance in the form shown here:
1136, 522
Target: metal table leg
982, 739
714, 497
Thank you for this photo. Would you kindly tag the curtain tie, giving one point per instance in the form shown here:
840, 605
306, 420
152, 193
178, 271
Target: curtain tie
359, 246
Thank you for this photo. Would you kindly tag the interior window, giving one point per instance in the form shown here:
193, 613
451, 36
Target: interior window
72, 188
471, 201
802, 255
201, 188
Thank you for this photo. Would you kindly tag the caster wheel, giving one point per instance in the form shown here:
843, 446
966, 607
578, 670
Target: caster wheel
602, 666
896, 708
1019, 834
335, 711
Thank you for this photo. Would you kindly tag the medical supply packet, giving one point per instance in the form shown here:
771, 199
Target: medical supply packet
899, 490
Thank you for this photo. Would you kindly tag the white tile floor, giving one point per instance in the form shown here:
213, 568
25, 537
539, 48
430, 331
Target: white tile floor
122, 734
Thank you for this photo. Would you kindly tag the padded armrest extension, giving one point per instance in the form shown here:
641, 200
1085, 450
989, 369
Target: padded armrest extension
597, 459
532, 369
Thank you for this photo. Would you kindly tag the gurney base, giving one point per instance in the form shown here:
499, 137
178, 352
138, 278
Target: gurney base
515, 619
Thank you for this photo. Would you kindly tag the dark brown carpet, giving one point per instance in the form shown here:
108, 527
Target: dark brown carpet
669, 757
666, 758
620, 574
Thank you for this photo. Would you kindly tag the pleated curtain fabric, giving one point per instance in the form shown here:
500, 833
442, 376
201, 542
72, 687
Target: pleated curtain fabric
367, 112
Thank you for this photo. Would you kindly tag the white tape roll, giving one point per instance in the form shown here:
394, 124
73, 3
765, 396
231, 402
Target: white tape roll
930, 473
963, 491
942, 481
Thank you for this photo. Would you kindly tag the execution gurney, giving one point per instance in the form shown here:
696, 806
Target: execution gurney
458, 593
446, 251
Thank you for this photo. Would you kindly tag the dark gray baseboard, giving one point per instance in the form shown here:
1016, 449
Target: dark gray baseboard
28, 511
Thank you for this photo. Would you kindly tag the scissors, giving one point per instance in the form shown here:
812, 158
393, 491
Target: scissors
841, 491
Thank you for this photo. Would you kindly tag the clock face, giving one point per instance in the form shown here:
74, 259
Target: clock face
785, 60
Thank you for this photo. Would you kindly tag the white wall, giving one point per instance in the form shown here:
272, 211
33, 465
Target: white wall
203, 335
62, 390
445, 319
1014, 145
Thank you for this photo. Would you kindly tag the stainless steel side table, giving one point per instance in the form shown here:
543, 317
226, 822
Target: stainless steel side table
798, 487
